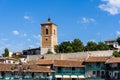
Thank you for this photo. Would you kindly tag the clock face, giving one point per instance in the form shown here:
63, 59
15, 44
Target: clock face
46, 26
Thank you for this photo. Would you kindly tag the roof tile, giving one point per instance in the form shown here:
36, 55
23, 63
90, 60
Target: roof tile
97, 59
68, 63
113, 60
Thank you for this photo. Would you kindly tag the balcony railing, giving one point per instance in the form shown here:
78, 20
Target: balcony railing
98, 77
94, 79
113, 68
24, 78
70, 72
92, 67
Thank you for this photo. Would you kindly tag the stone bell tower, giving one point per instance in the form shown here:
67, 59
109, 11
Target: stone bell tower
48, 36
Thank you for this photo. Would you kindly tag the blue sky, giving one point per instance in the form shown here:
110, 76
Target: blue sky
20, 20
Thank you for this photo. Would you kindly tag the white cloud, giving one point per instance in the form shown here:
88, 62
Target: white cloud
37, 44
2, 48
4, 39
26, 17
119, 21
111, 6
15, 32
87, 20
98, 33
37, 36
93, 40
24, 34
118, 32
31, 46
28, 39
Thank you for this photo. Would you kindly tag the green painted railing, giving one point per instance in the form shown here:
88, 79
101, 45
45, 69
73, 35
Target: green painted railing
22, 78
94, 79
70, 72
92, 67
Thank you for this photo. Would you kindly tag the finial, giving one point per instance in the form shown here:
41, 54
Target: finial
49, 19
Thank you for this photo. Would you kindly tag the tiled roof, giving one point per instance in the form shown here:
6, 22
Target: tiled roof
17, 53
64, 63
68, 63
40, 69
45, 62
24, 67
113, 60
48, 22
97, 59
110, 41
5, 67
7, 58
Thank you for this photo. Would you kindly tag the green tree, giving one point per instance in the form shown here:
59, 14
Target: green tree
118, 40
6, 52
49, 51
63, 46
111, 47
116, 53
16, 57
69, 49
77, 45
102, 46
91, 46
56, 48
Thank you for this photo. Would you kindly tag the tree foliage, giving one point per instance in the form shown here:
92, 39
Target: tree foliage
77, 45
118, 40
91, 46
63, 46
6, 52
111, 47
16, 57
67, 47
116, 53
49, 51
102, 46
56, 48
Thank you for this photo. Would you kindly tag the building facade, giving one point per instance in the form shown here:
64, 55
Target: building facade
24, 72
48, 36
92, 68
31, 51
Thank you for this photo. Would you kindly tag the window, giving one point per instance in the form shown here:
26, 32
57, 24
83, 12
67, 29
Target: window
59, 79
59, 69
74, 79
98, 73
94, 72
9, 61
73, 68
54, 31
97, 64
102, 72
46, 31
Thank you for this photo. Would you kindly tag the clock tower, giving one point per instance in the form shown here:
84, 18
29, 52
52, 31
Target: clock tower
48, 36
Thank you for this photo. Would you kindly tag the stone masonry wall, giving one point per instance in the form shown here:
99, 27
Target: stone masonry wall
79, 55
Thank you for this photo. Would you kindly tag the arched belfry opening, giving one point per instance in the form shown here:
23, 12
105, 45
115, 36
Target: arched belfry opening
46, 31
